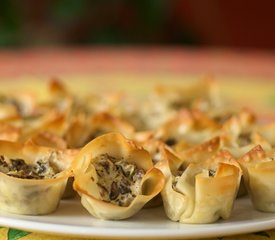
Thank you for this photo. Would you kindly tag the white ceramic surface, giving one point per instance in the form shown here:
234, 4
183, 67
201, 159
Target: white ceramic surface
72, 219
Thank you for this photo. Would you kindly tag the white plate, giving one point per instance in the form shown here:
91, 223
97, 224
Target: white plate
72, 219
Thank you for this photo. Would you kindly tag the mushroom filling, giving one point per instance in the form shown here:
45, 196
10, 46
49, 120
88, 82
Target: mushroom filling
211, 172
119, 181
179, 104
176, 178
170, 142
177, 175
221, 119
244, 139
42, 169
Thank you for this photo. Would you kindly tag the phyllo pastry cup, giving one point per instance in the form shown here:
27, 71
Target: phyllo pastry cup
32, 178
9, 132
198, 193
201, 95
239, 134
211, 149
102, 123
187, 129
259, 171
114, 177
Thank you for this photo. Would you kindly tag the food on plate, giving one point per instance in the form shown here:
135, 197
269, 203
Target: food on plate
176, 145
239, 134
201, 192
187, 129
114, 177
32, 178
259, 168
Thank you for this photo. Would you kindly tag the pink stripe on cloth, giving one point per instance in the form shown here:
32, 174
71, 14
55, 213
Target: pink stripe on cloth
135, 59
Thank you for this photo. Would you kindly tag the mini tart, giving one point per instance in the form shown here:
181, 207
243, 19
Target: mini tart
187, 129
58, 128
32, 178
94, 181
199, 193
58, 99
239, 127
201, 95
251, 140
63, 115
52, 122
81, 128
102, 123
259, 171
167, 100
210, 149
239, 134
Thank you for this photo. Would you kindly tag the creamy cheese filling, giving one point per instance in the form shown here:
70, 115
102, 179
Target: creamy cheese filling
118, 180
42, 169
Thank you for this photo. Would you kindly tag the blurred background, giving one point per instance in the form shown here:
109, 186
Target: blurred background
65, 37
227, 24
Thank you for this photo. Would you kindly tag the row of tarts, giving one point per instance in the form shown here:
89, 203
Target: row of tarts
189, 151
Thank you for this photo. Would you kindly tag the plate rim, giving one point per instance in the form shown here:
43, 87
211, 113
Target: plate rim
193, 230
